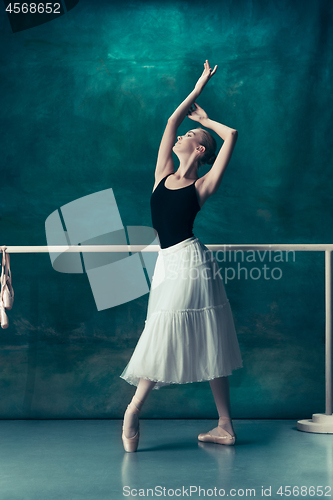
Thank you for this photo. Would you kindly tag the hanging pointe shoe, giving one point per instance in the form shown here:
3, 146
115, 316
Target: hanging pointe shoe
219, 435
3, 316
8, 294
131, 443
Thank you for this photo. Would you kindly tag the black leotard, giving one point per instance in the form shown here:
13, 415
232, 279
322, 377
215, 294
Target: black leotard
173, 212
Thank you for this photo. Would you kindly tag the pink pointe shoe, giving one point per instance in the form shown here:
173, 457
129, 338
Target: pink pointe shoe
3, 316
222, 437
131, 443
7, 292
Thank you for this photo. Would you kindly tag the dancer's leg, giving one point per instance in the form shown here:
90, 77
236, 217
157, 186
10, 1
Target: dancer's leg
143, 389
221, 393
131, 417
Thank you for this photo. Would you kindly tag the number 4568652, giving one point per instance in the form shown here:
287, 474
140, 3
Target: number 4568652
33, 8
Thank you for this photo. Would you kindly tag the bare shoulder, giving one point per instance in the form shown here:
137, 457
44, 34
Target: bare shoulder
160, 175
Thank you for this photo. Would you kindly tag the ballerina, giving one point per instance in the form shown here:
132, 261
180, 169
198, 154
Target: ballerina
189, 333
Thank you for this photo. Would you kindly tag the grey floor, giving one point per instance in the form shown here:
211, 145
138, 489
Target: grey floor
84, 459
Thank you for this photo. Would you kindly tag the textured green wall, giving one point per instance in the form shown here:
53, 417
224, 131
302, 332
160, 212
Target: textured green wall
84, 102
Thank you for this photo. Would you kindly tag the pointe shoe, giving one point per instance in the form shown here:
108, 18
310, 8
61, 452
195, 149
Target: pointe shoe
3, 316
131, 444
226, 439
8, 295
7, 292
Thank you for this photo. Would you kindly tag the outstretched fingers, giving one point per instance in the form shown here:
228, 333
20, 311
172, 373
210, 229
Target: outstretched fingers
207, 66
214, 70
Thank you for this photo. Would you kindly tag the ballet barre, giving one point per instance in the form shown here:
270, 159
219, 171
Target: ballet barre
320, 423
299, 247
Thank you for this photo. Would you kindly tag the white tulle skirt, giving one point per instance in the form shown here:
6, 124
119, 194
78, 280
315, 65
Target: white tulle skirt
189, 333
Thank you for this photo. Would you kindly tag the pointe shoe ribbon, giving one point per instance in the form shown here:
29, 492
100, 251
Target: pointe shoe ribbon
131, 444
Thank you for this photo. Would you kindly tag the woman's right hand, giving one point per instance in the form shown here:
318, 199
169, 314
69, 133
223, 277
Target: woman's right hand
205, 77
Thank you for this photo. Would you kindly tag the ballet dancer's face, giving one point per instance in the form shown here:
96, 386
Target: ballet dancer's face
188, 143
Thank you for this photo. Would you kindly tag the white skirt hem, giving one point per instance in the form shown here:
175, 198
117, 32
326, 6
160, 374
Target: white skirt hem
160, 383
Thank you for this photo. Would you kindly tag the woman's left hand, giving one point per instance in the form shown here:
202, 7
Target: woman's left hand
196, 113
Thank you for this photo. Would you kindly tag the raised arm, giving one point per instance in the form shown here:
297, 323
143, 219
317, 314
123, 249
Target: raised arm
165, 163
212, 180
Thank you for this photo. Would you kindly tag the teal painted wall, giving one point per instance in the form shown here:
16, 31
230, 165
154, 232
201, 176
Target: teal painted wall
84, 102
